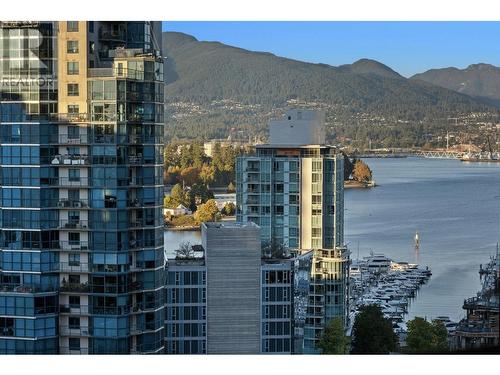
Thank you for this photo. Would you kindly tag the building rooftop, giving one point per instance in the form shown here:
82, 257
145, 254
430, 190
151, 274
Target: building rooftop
230, 224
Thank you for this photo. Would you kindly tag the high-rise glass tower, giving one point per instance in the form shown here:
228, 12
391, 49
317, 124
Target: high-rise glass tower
293, 188
81, 238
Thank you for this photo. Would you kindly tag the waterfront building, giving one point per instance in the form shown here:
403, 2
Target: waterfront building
186, 306
277, 298
293, 188
227, 299
81, 235
233, 260
480, 329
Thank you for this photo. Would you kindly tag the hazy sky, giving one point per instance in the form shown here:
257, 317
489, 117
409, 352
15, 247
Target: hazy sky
407, 47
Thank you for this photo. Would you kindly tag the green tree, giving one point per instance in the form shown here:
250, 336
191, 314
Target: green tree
426, 337
229, 209
178, 196
206, 212
362, 172
372, 333
207, 174
198, 194
333, 340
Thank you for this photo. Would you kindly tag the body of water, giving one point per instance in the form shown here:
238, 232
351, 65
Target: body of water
454, 206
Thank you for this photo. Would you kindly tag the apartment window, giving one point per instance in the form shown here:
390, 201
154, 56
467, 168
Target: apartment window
74, 343
74, 322
74, 279
72, 46
74, 216
74, 174
74, 238
73, 89
73, 132
74, 260
72, 26
73, 109
73, 68
74, 301
91, 26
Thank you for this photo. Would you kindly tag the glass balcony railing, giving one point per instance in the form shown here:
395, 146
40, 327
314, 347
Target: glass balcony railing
82, 331
70, 160
73, 245
74, 287
73, 203
72, 139
73, 224
125, 73
74, 309
76, 267
27, 288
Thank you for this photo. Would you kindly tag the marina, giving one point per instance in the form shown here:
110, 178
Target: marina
378, 280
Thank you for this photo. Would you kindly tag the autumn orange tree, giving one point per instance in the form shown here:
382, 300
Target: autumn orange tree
362, 171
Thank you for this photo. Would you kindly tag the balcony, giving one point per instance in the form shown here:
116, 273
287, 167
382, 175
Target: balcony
73, 267
26, 288
73, 245
80, 139
74, 224
66, 118
125, 73
478, 303
74, 287
66, 181
74, 309
116, 310
71, 160
73, 203
82, 331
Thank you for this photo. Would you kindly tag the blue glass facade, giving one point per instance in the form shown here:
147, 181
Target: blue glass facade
295, 193
186, 316
277, 316
81, 229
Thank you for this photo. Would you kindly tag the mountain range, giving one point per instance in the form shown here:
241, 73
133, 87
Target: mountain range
202, 75
480, 81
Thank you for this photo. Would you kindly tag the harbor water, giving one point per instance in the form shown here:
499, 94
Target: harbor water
454, 206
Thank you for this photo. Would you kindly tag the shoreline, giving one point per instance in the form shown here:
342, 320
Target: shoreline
351, 184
